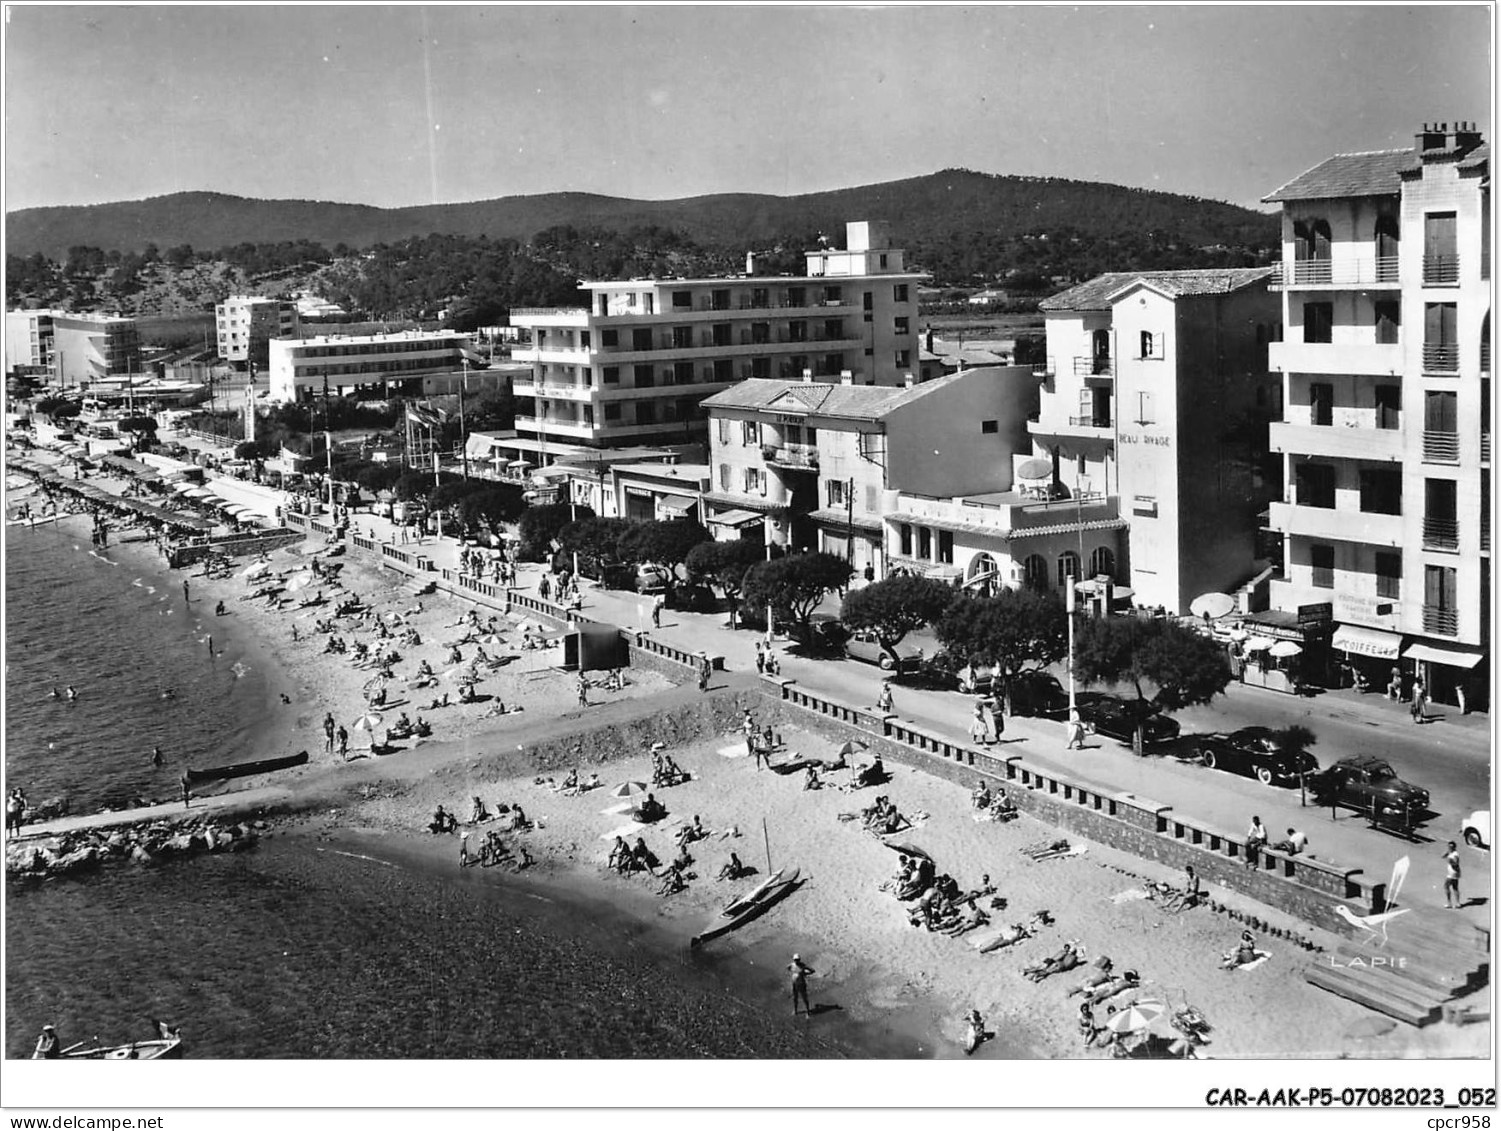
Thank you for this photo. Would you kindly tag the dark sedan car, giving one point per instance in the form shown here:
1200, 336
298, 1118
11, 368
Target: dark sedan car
1256, 752
1039, 694
1115, 717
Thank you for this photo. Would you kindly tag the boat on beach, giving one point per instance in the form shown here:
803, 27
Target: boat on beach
776, 888
741, 902
245, 769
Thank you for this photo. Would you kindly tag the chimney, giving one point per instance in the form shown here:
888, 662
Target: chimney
1432, 137
750, 262
846, 377
1467, 136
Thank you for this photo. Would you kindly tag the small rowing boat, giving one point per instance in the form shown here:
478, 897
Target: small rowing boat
245, 769
167, 1045
723, 924
741, 902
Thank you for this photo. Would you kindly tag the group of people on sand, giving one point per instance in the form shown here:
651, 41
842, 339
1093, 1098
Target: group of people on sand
993, 805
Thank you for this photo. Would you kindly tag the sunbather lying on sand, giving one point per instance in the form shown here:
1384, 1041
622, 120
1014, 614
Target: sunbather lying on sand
1048, 851
969, 921
1071, 956
1017, 932
1130, 980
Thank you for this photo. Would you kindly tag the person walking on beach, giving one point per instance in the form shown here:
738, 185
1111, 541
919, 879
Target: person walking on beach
156, 757
184, 590
583, 690
1451, 877
800, 971
187, 792
464, 850
328, 731
343, 744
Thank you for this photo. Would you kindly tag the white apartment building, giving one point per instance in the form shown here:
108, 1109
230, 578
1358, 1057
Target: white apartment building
90, 347
1156, 394
634, 366
813, 465
247, 323
1385, 289
28, 341
376, 366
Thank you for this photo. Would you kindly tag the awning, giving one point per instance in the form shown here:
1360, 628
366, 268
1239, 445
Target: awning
1366, 642
1452, 657
678, 504
735, 518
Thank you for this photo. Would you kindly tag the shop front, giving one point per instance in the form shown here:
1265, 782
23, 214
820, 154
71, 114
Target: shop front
1452, 674
1279, 651
1367, 656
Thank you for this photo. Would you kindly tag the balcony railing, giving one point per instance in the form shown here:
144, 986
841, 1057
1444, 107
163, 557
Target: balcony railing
1048, 368
1485, 447
1440, 621
1091, 367
1326, 272
1440, 358
1485, 532
1440, 534
1440, 269
1485, 356
1441, 447
1089, 421
795, 455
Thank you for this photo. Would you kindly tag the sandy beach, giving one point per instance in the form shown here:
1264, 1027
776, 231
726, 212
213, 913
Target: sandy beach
870, 960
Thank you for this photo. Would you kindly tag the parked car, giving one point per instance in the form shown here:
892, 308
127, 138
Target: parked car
1477, 828
1116, 718
1257, 753
650, 578
1039, 694
825, 633
1371, 786
866, 647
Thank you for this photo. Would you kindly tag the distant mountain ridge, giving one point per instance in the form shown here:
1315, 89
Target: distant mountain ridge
929, 213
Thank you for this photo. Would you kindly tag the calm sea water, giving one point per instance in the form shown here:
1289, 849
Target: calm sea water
300, 948
114, 625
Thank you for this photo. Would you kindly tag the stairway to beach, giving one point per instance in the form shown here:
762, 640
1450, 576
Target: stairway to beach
1430, 957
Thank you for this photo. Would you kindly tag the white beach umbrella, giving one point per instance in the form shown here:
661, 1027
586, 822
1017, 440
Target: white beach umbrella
257, 569
464, 673
1257, 644
299, 581
628, 789
1212, 605
1136, 1016
1284, 648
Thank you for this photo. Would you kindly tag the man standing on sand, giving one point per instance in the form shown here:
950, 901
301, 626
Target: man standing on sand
1451, 877
187, 792
328, 731
343, 744
184, 590
583, 690
800, 971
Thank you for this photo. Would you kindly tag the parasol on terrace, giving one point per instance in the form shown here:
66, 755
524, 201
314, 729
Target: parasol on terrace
1285, 648
1035, 468
1257, 644
1212, 605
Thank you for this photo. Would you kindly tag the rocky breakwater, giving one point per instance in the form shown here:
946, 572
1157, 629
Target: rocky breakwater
75, 852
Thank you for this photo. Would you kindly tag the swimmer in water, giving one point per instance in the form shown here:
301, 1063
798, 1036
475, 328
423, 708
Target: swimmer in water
53, 694
168, 693
72, 694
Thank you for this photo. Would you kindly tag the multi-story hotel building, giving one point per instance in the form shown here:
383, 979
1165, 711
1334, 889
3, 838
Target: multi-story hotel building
636, 364
89, 347
411, 364
1156, 393
1385, 289
817, 465
247, 323
28, 342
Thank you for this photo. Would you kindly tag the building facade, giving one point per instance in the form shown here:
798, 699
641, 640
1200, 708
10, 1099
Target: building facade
811, 465
90, 347
28, 342
376, 366
636, 364
1157, 394
1385, 288
246, 325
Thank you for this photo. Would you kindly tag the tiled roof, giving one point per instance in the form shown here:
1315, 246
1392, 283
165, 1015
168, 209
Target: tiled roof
1480, 155
850, 402
1376, 173
840, 518
1098, 292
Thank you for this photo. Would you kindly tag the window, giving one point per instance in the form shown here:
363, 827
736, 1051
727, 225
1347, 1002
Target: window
682, 337
903, 359
761, 367
924, 543
1315, 485
1068, 568
1144, 408
1388, 406
1439, 588
584, 339
646, 412
682, 300
946, 547
1440, 337
833, 329
646, 377
1144, 505
755, 481
899, 292
641, 338
797, 331
867, 302
834, 492
990, 427
724, 475
797, 296
719, 300
904, 533
1035, 572
648, 303
1321, 558
1388, 575
833, 364
723, 427
760, 298
872, 503
721, 333
883, 261
612, 410
724, 370
903, 326
760, 333
1151, 345
1381, 490
1102, 563
1388, 322
833, 296
1318, 322
750, 433
1440, 414
1321, 403
1440, 249
682, 373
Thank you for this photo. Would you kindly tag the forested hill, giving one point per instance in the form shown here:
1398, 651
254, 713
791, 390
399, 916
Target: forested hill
957, 224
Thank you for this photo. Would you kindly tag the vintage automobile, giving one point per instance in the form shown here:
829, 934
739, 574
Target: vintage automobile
1116, 718
1371, 786
1255, 752
865, 647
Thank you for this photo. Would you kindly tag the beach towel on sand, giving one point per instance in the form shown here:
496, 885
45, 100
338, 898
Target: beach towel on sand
1129, 895
1261, 956
738, 750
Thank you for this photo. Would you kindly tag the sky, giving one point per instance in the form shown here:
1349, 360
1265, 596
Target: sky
396, 105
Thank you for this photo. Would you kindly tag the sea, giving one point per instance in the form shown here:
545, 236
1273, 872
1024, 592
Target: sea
310, 945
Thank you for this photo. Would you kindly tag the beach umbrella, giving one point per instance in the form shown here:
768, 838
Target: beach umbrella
1035, 468
1238, 634
1212, 605
1284, 648
1136, 1016
907, 849
1257, 644
369, 724
299, 581
257, 569
628, 789
851, 748
375, 681
464, 673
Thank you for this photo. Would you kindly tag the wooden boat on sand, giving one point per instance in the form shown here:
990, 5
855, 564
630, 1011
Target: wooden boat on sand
771, 893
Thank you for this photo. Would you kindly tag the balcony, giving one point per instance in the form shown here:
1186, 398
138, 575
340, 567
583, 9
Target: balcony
1440, 534
549, 316
1080, 427
1440, 447
555, 428
998, 516
1048, 368
1329, 523
1092, 367
1092, 421
1314, 273
1440, 270
803, 457
1328, 358
1361, 440
1485, 447
1440, 358
558, 355
1485, 356
528, 388
1440, 621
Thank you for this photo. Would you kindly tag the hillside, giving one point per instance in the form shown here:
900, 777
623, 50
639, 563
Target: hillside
951, 221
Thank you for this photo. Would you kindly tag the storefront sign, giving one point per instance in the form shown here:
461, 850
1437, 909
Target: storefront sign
1143, 438
1313, 615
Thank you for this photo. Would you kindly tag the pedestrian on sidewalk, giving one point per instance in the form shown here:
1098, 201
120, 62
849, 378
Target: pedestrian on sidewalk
998, 715
1419, 702
979, 733
1075, 731
1394, 685
1459, 694
656, 611
1451, 877
884, 701
704, 670
1256, 840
